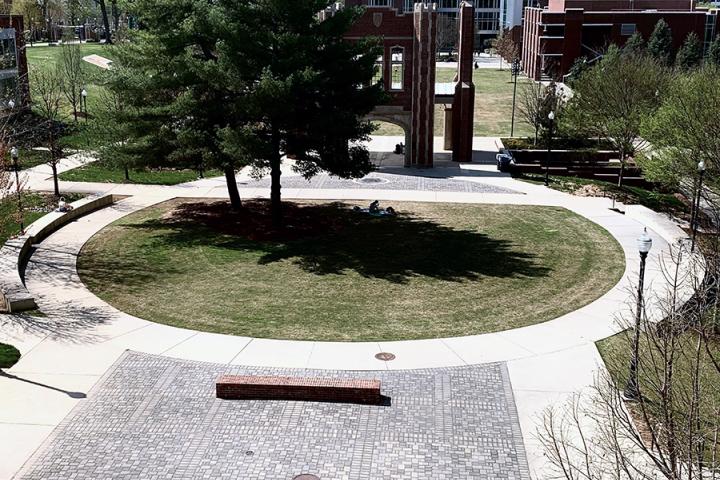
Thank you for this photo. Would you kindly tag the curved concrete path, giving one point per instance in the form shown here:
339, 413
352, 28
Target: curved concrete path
80, 338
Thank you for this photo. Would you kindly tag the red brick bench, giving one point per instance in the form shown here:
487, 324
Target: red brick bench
249, 387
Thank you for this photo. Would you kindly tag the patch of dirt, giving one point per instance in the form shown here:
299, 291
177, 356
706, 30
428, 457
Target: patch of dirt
254, 220
589, 191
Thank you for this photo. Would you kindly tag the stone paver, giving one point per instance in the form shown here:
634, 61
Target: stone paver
157, 417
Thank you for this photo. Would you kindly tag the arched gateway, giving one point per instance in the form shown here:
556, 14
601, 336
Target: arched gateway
407, 71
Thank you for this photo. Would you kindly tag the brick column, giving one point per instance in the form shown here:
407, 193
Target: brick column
447, 130
572, 44
423, 86
464, 101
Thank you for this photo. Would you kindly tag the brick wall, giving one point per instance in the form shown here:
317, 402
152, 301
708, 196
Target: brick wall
245, 387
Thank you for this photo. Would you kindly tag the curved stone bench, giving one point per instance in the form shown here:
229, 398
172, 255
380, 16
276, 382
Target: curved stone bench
14, 297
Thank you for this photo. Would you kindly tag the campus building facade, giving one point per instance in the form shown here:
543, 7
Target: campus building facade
13, 62
554, 37
489, 16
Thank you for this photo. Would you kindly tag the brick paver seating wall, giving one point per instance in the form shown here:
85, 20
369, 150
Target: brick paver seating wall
250, 387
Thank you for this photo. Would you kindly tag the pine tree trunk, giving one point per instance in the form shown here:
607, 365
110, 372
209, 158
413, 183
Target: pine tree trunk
106, 21
275, 196
232, 187
127, 174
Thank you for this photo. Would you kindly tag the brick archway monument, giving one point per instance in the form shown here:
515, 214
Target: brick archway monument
407, 72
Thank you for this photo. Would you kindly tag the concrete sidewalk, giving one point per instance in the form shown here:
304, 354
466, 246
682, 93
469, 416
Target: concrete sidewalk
65, 353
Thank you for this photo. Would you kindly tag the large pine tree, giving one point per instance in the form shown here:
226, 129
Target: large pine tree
713, 56
690, 54
307, 92
227, 84
660, 43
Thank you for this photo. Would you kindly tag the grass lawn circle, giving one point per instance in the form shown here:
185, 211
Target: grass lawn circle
436, 270
9, 355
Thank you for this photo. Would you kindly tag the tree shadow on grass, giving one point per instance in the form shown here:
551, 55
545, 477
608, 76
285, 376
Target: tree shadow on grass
332, 239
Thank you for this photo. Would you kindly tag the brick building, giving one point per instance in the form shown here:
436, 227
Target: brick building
14, 83
554, 37
489, 16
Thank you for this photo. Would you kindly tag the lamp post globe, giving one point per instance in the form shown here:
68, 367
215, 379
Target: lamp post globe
11, 104
632, 389
83, 95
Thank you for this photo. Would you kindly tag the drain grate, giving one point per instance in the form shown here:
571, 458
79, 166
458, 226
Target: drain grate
385, 356
306, 476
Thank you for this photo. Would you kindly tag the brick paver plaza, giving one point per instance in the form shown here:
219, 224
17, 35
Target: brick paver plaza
155, 417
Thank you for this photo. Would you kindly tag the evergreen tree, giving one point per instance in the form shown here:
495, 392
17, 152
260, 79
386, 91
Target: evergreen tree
305, 95
690, 54
576, 70
660, 43
635, 45
227, 84
713, 56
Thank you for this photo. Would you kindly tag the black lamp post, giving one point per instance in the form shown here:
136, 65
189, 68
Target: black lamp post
16, 166
632, 389
551, 117
515, 72
695, 217
84, 95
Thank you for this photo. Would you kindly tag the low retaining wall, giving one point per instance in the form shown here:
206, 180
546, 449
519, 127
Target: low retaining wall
14, 297
248, 387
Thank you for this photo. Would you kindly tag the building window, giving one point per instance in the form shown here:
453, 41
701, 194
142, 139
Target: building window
380, 3
397, 68
8, 66
627, 29
487, 21
378, 77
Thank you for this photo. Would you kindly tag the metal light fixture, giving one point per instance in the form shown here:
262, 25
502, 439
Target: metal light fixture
632, 389
695, 216
551, 117
15, 156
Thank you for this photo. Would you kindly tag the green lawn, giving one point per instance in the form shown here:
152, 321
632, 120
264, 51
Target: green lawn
42, 57
95, 172
493, 105
32, 158
436, 270
658, 201
35, 206
616, 353
9, 355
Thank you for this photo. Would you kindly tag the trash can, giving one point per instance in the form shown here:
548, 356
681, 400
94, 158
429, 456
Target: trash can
503, 161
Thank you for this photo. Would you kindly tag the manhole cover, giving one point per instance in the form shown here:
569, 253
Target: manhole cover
385, 356
306, 476
371, 180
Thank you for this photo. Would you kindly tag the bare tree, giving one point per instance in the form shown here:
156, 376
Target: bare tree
536, 101
506, 47
71, 71
47, 95
672, 429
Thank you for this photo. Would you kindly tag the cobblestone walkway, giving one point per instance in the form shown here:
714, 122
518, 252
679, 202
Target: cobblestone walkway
385, 181
154, 417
